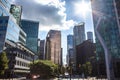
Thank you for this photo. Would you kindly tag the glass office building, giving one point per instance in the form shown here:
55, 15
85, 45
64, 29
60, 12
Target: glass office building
90, 36
70, 54
8, 31
31, 29
106, 26
16, 11
4, 7
78, 36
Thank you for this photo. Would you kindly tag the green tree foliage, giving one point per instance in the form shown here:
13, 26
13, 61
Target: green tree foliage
87, 68
3, 63
44, 68
62, 70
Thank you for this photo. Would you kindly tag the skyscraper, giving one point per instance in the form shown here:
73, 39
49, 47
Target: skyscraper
85, 52
90, 36
31, 29
70, 48
16, 11
53, 46
42, 49
117, 9
69, 42
12, 41
79, 33
4, 8
106, 24
78, 37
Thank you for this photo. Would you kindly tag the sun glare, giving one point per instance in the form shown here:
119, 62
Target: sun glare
82, 8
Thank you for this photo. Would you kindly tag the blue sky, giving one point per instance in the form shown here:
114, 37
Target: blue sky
56, 14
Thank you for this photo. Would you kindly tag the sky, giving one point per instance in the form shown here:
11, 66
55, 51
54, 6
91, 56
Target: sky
57, 15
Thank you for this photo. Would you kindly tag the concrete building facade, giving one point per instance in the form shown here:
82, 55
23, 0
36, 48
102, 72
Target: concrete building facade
53, 46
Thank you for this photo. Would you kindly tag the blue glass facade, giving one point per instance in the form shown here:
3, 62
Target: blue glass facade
16, 11
109, 28
70, 54
106, 24
70, 41
31, 29
4, 7
14, 32
13, 40
8, 30
90, 36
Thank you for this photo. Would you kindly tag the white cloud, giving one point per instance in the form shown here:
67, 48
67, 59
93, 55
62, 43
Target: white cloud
66, 25
50, 13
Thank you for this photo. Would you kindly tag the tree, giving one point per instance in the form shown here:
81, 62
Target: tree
3, 63
44, 68
87, 68
62, 70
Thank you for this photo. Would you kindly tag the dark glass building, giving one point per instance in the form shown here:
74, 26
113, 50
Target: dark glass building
106, 24
31, 29
42, 50
86, 52
90, 36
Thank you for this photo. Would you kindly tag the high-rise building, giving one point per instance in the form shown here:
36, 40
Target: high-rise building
10, 31
42, 50
69, 42
31, 29
85, 52
70, 49
13, 41
106, 24
16, 11
79, 33
78, 37
4, 7
11, 37
90, 36
53, 46
117, 9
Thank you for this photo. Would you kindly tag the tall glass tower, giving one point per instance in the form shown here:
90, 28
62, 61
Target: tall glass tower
90, 36
78, 37
4, 7
70, 54
31, 29
106, 26
16, 11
